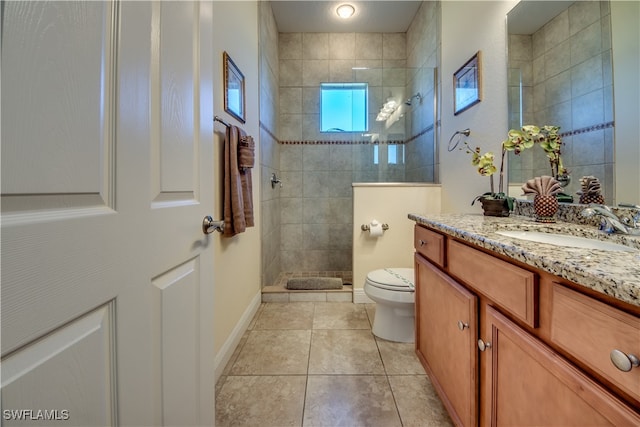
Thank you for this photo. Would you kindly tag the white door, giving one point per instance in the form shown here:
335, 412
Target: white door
107, 284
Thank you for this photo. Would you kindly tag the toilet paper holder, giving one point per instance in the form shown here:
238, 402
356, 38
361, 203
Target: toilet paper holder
367, 227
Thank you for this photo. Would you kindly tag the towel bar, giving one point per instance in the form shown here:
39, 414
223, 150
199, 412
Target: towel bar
218, 119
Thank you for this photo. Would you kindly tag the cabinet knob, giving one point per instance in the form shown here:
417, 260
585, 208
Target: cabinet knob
422, 242
483, 345
624, 362
462, 325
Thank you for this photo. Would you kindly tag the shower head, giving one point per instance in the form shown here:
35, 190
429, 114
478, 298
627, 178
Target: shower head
410, 100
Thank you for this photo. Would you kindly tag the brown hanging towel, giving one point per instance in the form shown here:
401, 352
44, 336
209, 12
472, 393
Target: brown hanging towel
246, 152
238, 197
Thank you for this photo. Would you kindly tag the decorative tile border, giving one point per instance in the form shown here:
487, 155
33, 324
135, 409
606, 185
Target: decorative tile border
588, 129
344, 141
340, 142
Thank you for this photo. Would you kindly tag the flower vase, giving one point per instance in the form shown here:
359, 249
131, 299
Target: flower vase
545, 208
494, 207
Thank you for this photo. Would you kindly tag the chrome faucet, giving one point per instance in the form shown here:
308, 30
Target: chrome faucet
632, 220
610, 223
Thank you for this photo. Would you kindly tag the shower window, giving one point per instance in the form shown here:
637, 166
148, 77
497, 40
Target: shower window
343, 107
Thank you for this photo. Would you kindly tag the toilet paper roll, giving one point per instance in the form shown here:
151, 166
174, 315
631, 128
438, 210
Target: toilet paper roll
375, 229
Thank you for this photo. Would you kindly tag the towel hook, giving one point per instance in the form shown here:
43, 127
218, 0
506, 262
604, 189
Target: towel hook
465, 132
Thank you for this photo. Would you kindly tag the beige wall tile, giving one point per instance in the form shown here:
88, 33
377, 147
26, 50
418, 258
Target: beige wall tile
290, 72
582, 14
314, 72
368, 45
315, 46
291, 100
556, 31
342, 45
340, 70
394, 46
290, 45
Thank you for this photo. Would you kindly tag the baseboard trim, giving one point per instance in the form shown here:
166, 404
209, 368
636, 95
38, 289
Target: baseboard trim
359, 297
225, 353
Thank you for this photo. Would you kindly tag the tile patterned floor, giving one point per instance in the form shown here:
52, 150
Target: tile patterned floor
318, 364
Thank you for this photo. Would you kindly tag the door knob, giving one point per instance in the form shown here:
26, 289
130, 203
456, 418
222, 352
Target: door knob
209, 225
624, 362
462, 325
483, 345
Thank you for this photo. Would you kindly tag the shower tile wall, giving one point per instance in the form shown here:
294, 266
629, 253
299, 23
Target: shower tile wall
308, 59
316, 199
307, 224
316, 207
269, 147
422, 61
566, 74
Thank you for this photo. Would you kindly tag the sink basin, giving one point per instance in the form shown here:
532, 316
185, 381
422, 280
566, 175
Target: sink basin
564, 240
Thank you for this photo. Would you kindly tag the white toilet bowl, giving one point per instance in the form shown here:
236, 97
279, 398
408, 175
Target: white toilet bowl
393, 291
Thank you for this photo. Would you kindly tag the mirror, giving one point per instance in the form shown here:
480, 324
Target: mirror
560, 73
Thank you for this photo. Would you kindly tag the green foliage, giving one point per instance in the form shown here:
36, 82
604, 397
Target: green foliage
518, 140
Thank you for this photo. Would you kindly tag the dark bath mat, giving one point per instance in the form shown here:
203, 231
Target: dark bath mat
314, 283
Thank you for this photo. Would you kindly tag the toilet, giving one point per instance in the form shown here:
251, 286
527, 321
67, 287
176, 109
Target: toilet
393, 291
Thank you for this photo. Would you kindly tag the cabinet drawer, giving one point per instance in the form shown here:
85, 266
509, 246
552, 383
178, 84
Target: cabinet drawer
512, 288
589, 330
429, 244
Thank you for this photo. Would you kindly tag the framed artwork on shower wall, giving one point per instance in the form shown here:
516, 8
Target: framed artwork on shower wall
467, 84
234, 102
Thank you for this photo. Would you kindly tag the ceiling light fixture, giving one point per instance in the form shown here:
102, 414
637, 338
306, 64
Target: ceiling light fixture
345, 11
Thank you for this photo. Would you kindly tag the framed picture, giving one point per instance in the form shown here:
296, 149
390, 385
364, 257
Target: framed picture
467, 84
233, 89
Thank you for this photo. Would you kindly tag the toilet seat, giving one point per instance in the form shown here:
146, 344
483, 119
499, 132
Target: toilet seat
393, 291
393, 279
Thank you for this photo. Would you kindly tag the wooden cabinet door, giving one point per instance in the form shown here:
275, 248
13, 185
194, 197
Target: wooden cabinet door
446, 335
529, 384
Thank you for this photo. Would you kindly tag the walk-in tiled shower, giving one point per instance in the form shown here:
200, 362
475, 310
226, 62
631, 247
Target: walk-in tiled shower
307, 222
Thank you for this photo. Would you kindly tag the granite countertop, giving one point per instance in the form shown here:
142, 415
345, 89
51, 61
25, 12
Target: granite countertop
613, 273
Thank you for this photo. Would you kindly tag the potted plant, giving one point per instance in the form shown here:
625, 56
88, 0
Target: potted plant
549, 140
518, 140
493, 204
551, 143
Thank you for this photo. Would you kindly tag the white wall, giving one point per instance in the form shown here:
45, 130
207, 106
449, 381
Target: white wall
389, 203
625, 39
236, 259
468, 27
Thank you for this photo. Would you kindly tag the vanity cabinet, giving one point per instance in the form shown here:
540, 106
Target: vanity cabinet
507, 344
446, 331
530, 384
